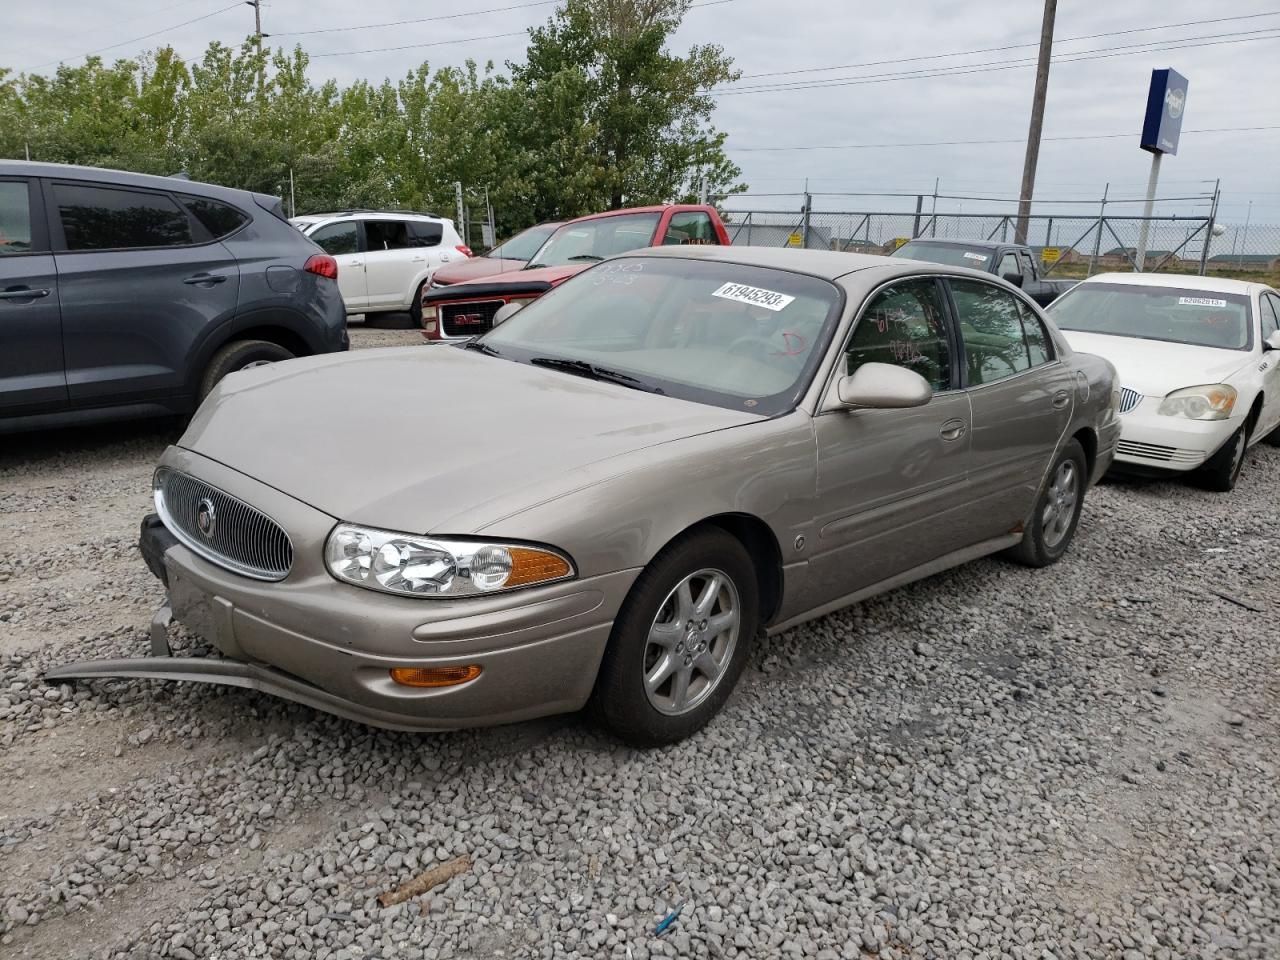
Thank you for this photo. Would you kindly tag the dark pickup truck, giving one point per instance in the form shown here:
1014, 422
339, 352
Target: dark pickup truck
1011, 261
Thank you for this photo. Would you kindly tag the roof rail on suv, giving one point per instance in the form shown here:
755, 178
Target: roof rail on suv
416, 213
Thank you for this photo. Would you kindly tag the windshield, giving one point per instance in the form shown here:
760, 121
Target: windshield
1201, 318
524, 244
746, 338
592, 240
957, 256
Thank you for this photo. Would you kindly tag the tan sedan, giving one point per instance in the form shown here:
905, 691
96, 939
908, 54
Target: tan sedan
605, 499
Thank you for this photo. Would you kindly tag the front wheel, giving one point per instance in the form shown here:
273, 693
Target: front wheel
1057, 510
680, 640
1223, 469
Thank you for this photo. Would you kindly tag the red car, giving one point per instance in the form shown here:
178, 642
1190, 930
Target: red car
511, 254
463, 310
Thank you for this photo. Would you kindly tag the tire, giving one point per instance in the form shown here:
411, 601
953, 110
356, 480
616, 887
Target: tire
1223, 469
236, 356
415, 308
1053, 521
648, 716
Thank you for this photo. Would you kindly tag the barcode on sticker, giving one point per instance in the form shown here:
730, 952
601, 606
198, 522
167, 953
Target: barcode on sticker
980, 257
1200, 302
756, 296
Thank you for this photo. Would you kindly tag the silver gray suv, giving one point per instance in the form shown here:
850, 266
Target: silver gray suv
124, 295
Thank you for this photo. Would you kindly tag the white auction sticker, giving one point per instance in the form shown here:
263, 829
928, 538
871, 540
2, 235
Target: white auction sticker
980, 257
1200, 302
756, 296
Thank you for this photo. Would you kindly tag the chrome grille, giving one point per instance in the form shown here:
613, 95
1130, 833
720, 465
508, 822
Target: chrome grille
241, 539
1129, 399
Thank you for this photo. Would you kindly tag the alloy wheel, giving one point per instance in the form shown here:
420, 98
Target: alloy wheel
691, 642
1060, 503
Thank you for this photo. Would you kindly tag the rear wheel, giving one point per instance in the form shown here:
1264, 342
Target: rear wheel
1056, 514
240, 355
680, 641
1223, 469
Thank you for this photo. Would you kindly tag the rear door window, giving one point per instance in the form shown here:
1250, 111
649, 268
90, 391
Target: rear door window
336, 239
1037, 337
220, 219
386, 235
110, 218
15, 217
991, 327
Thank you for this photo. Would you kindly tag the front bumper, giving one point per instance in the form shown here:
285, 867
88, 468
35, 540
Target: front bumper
1151, 441
331, 646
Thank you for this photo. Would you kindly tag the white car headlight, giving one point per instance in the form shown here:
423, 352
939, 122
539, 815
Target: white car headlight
414, 566
1212, 401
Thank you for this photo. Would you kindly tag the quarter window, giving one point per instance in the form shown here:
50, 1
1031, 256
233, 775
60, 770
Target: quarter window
106, 218
220, 219
336, 239
424, 233
691, 227
991, 327
904, 325
15, 218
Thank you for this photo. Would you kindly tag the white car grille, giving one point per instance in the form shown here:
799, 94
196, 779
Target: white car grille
1129, 399
1155, 451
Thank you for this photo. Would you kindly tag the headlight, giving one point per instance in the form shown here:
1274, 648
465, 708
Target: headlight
414, 566
1210, 402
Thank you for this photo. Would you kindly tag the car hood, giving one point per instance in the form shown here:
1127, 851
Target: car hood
1155, 368
551, 275
405, 438
474, 268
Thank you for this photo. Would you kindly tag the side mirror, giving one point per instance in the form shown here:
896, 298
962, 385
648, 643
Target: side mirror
1272, 342
1014, 278
507, 311
883, 386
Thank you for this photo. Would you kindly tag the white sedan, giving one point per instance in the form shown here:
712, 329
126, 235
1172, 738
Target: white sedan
1199, 365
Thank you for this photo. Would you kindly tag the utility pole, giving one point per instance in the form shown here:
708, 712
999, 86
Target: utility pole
257, 35
1037, 121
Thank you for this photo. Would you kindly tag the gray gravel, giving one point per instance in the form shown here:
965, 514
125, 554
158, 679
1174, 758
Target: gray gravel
1077, 762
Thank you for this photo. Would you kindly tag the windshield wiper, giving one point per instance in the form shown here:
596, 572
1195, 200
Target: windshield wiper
585, 256
582, 368
483, 347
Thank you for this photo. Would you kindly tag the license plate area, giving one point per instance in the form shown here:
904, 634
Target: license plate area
207, 615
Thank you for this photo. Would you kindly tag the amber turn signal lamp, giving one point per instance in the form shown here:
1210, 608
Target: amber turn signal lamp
535, 566
435, 676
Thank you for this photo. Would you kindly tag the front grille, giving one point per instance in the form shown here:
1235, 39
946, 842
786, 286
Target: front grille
1154, 451
239, 538
468, 319
1129, 399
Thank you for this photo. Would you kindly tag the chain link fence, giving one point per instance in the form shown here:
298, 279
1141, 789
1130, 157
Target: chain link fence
1067, 245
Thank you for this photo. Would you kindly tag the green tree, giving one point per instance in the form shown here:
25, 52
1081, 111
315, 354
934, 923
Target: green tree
618, 120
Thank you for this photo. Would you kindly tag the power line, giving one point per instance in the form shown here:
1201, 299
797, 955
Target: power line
990, 67
967, 143
145, 36
1013, 46
401, 23
494, 36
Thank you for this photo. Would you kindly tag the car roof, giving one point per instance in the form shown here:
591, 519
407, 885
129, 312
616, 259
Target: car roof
655, 208
967, 244
125, 178
827, 264
1179, 281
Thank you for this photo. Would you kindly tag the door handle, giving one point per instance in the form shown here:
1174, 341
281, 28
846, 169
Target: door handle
201, 279
953, 430
1061, 399
22, 293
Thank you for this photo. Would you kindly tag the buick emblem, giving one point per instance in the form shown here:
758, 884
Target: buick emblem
206, 518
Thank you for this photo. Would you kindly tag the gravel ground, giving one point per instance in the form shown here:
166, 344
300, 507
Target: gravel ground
1075, 762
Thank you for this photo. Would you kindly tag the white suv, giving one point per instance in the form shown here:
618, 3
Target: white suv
384, 259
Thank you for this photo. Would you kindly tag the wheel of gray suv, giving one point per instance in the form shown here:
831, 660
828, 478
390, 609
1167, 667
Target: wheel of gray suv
1056, 514
1223, 469
680, 641
239, 355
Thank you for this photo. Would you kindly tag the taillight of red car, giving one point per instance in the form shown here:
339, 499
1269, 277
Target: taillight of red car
463, 249
322, 265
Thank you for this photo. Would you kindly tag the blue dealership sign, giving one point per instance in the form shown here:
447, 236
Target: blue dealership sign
1165, 105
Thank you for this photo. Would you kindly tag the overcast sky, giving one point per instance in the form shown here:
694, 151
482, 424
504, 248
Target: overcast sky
1232, 84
